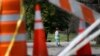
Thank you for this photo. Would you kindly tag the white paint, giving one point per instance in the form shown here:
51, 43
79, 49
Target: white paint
79, 38
56, 2
84, 42
38, 15
76, 8
38, 25
96, 15
7, 38
12, 17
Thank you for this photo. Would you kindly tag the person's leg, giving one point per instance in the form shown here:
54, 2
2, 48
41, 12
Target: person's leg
57, 43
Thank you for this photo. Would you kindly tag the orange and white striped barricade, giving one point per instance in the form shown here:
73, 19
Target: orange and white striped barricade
84, 36
40, 48
9, 14
85, 50
78, 9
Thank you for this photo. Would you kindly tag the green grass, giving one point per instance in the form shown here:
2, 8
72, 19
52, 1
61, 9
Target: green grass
63, 37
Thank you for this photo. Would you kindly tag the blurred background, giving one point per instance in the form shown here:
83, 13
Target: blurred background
53, 17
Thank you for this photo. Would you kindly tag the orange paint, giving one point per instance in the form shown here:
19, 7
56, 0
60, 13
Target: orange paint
9, 27
19, 48
40, 48
86, 49
88, 14
65, 5
10, 7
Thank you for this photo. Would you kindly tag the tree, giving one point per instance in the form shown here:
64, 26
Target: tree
52, 16
29, 17
89, 1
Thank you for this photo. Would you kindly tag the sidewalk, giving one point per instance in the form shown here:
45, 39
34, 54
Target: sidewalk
30, 44
54, 51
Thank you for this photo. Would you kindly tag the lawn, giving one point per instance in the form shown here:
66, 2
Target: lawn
63, 37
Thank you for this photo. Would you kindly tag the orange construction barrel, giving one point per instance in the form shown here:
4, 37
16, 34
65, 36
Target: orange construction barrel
9, 15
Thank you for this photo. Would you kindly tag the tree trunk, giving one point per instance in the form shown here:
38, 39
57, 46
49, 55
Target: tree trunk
68, 34
68, 37
98, 40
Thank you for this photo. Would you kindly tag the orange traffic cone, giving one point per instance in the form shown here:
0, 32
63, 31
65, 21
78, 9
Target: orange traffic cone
85, 50
9, 14
40, 48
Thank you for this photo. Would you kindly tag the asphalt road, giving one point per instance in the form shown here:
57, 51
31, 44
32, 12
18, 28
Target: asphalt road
53, 50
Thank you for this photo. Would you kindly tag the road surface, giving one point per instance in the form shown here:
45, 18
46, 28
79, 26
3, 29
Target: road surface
53, 50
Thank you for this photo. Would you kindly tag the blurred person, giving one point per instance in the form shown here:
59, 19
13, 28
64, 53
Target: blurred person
57, 38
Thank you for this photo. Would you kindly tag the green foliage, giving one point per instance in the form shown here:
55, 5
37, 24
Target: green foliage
52, 16
29, 15
63, 37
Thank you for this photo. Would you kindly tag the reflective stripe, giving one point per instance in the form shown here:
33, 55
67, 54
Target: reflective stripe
11, 17
56, 2
38, 19
38, 25
76, 9
7, 38
79, 10
38, 15
82, 25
